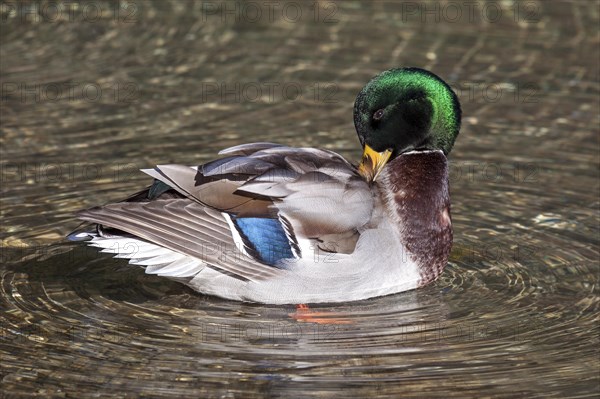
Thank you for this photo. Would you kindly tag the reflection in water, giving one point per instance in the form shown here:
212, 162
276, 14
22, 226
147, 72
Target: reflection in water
86, 102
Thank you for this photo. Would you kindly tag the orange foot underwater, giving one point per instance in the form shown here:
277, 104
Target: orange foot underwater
306, 315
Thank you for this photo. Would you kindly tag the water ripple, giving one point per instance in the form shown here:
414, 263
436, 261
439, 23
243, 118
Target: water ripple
513, 315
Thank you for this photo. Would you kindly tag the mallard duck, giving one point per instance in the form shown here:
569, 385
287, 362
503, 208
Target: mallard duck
275, 224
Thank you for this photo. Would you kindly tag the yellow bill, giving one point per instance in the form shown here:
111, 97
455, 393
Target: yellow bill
372, 163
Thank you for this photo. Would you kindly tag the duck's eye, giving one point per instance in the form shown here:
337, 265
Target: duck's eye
378, 114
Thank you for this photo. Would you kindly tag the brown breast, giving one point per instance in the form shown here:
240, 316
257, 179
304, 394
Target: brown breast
415, 186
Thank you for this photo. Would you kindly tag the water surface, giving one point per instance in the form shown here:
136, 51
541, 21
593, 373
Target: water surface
88, 100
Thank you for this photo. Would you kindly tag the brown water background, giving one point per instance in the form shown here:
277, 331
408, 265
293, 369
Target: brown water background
93, 91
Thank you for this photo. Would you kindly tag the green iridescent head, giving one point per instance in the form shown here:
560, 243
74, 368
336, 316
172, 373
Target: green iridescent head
407, 109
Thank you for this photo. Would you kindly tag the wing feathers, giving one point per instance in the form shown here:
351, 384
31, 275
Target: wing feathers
246, 149
179, 231
315, 197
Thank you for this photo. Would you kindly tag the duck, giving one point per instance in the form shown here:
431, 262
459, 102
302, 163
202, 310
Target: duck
273, 224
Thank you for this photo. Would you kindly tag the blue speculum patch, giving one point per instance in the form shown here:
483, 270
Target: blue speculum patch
266, 237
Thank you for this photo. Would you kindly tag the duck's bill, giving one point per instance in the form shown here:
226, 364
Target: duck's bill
373, 162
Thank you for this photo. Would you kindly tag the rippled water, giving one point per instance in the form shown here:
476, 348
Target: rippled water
87, 99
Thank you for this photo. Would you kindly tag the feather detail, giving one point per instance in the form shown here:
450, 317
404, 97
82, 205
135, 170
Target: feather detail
184, 227
247, 149
247, 214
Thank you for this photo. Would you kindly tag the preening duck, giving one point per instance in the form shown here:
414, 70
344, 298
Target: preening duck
275, 224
